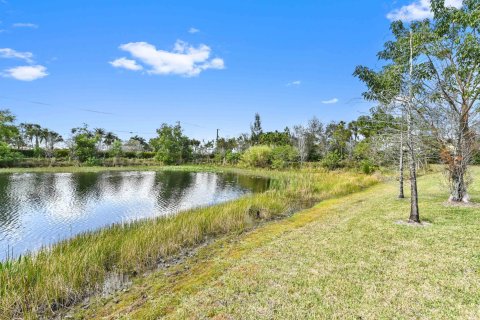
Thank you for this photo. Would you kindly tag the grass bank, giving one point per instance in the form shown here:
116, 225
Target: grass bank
346, 258
73, 269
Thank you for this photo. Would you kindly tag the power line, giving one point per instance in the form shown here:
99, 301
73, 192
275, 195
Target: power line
51, 105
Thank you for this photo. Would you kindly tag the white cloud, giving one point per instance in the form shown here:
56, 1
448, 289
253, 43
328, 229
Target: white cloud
184, 59
419, 10
294, 83
26, 73
25, 25
126, 64
10, 53
331, 101
193, 30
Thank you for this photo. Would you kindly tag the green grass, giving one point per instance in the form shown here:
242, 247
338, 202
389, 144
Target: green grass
346, 258
39, 285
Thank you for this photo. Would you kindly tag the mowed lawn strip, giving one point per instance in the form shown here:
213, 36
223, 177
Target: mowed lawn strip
345, 258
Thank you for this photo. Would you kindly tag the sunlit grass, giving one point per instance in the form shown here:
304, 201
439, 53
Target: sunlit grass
52, 279
345, 258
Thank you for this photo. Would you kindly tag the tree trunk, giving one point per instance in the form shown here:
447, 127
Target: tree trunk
414, 212
401, 195
459, 163
457, 184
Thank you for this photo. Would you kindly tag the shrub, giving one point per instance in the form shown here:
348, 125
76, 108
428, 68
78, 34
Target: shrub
62, 153
367, 166
361, 150
92, 161
147, 155
7, 156
284, 156
28, 153
257, 156
233, 157
332, 161
38, 152
85, 147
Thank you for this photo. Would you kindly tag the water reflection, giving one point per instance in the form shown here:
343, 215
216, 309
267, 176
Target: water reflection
40, 209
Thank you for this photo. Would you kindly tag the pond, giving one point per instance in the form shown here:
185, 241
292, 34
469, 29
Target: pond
39, 209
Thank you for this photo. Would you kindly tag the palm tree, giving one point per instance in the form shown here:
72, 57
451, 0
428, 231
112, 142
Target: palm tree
100, 134
36, 132
43, 136
109, 138
353, 127
141, 141
27, 131
52, 138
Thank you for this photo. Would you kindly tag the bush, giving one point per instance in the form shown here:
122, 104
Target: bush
147, 155
361, 150
284, 156
29, 153
257, 156
38, 152
367, 166
92, 162
7, 156
139, 154
332, 161
62, 153
85, 147
233, 157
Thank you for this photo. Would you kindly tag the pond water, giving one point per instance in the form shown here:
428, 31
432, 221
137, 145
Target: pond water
39, 209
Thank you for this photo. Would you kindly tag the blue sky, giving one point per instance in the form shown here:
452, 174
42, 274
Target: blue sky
207, 64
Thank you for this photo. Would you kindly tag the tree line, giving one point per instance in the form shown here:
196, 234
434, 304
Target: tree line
333, 145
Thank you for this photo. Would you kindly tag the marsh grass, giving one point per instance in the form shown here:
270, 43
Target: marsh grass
345, 258
40, 284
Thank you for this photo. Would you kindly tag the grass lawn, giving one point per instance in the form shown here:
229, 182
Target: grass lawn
346, 258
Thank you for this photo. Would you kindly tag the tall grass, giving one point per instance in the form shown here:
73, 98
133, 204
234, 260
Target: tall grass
73, 269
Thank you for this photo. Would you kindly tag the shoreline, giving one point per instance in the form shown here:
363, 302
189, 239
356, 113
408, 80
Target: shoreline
78, 169
76, 267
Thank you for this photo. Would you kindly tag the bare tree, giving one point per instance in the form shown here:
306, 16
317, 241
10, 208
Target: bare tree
449, 45
300, 141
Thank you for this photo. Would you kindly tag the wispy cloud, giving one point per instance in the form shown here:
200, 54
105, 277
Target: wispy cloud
419, 10
26, 73
13, 54
193, 30
25, 25
126, 64
294, 83
185, 60
331, 101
